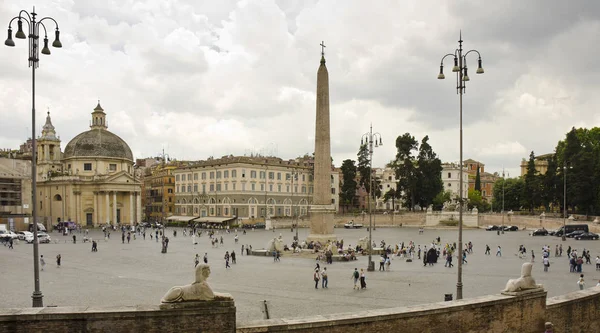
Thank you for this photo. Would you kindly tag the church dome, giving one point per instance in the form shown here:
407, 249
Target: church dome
98, 142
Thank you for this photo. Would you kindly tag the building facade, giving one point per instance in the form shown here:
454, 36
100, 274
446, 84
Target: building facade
247, 187
15, 192
387, 181
92, 182
541, 164
487, 179
451, 179
159, 192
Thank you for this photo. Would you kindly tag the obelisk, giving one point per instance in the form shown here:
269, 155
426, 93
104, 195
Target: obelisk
322, 210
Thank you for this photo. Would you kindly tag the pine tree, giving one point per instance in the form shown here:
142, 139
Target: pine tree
348, 190
478, 180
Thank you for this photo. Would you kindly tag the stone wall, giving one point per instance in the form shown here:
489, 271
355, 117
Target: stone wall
489, 314
434, 219
575, 312
215, 316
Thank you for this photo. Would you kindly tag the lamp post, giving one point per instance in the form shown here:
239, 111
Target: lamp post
503, 182
33, 27
369, 138
460, 68
163, 201
294, 175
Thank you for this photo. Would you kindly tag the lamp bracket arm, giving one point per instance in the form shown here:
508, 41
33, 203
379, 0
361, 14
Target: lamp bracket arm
444, 57
465, 56
49, 18
37, 32
28, 18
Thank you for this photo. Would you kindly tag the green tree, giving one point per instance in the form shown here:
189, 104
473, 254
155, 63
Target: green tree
405, 169
531, 188
550, 184
364, 167
478, 180
429, 174
513, 193
440, 199
391, 195
348, 190
476, 200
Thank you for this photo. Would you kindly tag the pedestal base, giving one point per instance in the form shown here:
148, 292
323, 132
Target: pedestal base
321, 238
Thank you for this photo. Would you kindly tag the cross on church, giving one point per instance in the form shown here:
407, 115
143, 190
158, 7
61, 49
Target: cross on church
322, 48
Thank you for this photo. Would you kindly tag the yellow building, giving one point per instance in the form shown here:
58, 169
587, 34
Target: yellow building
159, 192
92, 182
541, 164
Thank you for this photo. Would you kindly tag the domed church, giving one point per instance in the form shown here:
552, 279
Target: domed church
93, 182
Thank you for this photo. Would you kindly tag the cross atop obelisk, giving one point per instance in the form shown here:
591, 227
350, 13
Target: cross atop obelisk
322, 210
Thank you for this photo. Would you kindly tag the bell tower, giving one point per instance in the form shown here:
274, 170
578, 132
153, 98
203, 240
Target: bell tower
99, 118
48, 151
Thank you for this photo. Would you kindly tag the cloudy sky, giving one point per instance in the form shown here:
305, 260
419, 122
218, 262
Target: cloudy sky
212, 78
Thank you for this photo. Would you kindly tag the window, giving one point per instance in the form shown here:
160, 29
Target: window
212, 187
87, 166
182, 188
243, 186
212, 175
271, 175
177, 189
278, 188
226, 174
196, 176
310, 189
296, 188
287, 176
112, 167
170, 190
233, 173
253, 186
279, 176
190, 176
333, 190
195, 187
287, 188
303, 177
203, 188
226, 186
243, 173
484, 193
262, 187
189, 188
449, 174
310, 178
303, 189
252, 174
177, 178
218, 174
233, 186
333, 201
218, 187
271, 188
263, 174
203, 175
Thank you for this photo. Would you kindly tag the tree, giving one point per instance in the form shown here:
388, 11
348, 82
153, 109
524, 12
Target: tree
478, 180
513, 193
476, 200
531, 188
429, 174
348, 190
390, 195
440, 199
405, 169
364, 167
549, 184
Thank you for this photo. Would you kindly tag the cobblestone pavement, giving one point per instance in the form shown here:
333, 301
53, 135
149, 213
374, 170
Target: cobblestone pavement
137, 273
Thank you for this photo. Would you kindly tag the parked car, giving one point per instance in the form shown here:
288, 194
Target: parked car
587, 236
575, 233
352, 225
260, 225
145, 225
157, 225
552, 232
6, 235
24, 235
492, 228
540, 232
511, 228
572, 227
43, 237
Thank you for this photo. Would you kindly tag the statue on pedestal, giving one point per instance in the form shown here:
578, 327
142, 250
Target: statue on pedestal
525, 282
199, 290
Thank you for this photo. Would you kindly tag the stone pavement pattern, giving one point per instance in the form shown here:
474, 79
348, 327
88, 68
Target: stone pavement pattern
137, 273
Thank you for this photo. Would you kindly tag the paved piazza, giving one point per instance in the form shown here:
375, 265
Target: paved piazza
137, 273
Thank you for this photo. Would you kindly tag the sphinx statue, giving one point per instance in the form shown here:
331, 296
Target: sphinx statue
525, 282
199, 290
276, 244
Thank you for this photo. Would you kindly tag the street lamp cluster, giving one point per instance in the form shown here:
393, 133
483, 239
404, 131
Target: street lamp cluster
462, 76
369, 139
33, 27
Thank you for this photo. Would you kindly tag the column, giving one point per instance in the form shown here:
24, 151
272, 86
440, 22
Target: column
46, 153
107, 203
114, 207
138, 216
72, 212
131, 215
96, 215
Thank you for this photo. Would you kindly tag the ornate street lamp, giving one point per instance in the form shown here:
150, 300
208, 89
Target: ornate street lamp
565, 167
33, 28
371, 138
462, 76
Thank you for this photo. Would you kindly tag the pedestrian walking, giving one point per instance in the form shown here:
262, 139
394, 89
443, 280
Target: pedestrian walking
123, 237
355, 276
499, 251
324, 277
233, 257
227, 260
94, 246
74, 239
42, 262
487, 249
128, 237
381, 263
196, 260
581, 282
363, 282
10, 244
532, 256
546, 262
556, 251
316, 278
464, 256
58, 258
242, 249
205, 259
598, 263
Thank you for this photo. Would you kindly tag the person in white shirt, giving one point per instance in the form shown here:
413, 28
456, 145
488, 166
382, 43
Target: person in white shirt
546, 262
598, 263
